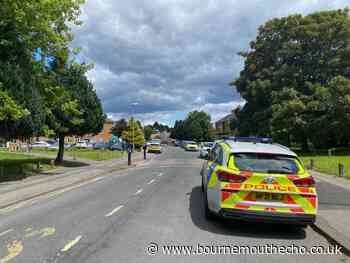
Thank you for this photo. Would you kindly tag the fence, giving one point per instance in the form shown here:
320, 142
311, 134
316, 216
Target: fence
331, 164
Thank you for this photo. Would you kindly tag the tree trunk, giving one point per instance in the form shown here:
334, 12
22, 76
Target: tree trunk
304, 144
59, 158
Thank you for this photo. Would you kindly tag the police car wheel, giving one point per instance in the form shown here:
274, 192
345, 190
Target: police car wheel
207, 213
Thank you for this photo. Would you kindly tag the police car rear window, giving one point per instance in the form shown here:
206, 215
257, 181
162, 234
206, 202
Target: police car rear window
266, 163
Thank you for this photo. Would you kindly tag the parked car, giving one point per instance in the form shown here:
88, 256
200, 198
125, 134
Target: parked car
83, 145
206, 147
191, 146
117, 147
100, 146
257, 181
40, 144
55, 146
155, 147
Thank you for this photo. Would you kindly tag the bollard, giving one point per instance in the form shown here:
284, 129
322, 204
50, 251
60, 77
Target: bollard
144, 151
341, 170
311, 164
129, 158
38, 165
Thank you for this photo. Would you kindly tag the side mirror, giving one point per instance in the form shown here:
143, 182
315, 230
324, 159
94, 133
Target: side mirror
210, 154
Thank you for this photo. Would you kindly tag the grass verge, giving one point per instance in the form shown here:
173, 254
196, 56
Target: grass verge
89, 154
328, 162
14, 166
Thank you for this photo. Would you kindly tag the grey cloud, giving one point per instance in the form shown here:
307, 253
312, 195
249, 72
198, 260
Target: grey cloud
174, 55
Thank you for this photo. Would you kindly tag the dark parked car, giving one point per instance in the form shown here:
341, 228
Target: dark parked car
100, 146
117, 147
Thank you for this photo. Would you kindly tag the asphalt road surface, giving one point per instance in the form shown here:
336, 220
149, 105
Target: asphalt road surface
136, 216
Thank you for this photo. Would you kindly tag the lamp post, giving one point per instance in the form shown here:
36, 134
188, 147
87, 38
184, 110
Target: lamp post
133, 133
133, 104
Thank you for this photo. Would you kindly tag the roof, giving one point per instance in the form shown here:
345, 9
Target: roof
248, 147
227, 117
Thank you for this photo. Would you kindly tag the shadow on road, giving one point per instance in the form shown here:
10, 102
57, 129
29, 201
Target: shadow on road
73, 164
239, 228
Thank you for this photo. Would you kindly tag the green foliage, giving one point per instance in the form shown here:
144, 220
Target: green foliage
148, 131
294, 70
31, 32
73, 106
40, 24
197, 126
133, 133
160, 127
83, 92
9, 110
119, 127
155, 128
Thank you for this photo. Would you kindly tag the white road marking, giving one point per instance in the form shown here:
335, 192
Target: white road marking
73, 187
12, 208
6, 232
71, 244
151, 182
115, 210
160, 175
49, 195
139, 191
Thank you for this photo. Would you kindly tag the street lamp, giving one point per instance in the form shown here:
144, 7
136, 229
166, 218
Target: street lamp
133, 132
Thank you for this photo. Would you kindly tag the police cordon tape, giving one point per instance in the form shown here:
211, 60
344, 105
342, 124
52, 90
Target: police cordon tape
267, 249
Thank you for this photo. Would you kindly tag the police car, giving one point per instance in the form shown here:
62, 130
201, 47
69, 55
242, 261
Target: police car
249, 179
154, 147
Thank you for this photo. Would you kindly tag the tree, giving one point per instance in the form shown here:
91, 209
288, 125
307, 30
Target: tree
329, 111
10, 114
160, 127
119, 127
148, 131
288, 58
134, 134
75, 108
178, 132
197, 126
28, 29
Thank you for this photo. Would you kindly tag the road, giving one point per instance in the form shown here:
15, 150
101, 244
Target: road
115, 218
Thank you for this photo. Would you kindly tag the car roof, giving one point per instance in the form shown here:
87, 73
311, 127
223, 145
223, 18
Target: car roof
249, 147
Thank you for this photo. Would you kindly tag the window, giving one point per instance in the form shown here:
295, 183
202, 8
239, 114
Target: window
217, 154
266, 163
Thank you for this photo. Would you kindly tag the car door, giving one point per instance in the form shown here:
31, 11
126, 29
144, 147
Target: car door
212, 183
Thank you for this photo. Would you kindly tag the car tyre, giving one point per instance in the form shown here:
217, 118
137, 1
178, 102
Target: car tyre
207, 213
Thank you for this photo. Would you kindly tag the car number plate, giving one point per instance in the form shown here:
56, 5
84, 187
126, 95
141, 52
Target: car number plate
271, 197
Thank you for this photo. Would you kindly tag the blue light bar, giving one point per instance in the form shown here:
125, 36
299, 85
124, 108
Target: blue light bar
249, 139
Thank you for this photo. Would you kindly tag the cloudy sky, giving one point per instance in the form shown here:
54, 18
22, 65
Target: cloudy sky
160, 59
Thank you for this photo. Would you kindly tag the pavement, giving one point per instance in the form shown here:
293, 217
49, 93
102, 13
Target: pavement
334, 208
139, 215
13, 193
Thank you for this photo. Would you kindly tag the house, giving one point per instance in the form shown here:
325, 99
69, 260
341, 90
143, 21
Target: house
223, 126
105, 135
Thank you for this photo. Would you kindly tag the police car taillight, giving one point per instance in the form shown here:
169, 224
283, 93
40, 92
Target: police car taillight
305, 182
225, 176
